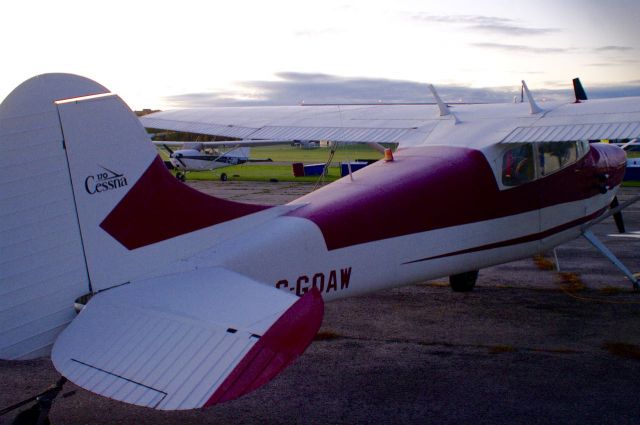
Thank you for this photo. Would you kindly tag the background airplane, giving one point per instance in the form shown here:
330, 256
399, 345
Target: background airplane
209, 156
195, 300
196, 156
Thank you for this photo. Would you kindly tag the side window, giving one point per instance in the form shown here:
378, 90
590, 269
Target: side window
556, 155
517, 165
583, 148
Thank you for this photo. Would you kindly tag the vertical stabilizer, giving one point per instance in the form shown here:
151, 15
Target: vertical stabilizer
42, 268
86, 205
240, 153
134, 216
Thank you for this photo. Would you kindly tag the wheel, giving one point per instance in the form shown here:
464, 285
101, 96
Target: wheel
223, 177
463, 282
181, 177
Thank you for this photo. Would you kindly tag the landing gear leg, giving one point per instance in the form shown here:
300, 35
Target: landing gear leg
463, 282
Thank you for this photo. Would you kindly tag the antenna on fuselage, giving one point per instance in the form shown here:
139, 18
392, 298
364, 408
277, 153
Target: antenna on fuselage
444, 109
535, 109
578, 90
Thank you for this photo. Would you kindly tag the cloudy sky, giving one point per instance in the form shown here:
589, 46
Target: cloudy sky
162, 54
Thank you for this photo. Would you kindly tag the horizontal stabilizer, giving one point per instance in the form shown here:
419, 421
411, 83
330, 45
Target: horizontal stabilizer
186, 342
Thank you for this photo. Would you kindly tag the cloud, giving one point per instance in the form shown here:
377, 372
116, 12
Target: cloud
616, 49
292, 88
615, 62
522, 48
488, 24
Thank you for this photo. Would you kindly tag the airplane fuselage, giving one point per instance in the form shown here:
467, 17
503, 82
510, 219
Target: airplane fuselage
195, 160
432, 212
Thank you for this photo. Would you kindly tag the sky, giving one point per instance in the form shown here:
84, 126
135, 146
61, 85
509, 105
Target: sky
166, 54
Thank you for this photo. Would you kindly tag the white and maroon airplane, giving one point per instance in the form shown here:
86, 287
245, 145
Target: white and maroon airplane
195, 300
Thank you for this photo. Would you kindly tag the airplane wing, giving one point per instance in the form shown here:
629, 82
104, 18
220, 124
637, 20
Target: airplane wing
406, 124
168, 143
224, 143
181, 343
596, 119
338, 123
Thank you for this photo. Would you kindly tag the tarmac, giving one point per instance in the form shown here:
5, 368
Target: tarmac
530, 345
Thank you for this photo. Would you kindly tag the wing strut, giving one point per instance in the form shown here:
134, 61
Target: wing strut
615, 210
588, 235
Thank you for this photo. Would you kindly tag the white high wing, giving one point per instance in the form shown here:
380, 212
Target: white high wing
411, 125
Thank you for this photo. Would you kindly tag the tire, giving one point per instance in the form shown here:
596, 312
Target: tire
463, 282
223, 177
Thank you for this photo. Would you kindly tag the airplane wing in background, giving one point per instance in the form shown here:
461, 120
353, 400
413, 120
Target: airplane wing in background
222, 143
353, 123
181, 343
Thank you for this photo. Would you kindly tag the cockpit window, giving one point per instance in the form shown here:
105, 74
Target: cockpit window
522, 163
518, 165
556, 155
583, 147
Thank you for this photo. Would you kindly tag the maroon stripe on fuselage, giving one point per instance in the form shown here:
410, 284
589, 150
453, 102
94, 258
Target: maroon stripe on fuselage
515, 241
159, 207
434, 187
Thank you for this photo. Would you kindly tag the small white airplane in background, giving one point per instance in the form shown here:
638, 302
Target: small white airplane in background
197, 156
194, 300
208, 156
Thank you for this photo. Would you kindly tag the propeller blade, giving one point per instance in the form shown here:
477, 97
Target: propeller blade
168, 149
618, 216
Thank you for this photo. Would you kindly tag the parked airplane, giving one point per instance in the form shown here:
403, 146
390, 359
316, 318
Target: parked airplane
195, 300
197, 156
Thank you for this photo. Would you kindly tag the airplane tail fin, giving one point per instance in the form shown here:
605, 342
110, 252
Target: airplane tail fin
87, 204
241, 153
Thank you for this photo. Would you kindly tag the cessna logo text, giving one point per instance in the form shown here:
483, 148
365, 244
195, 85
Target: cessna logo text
104, 181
